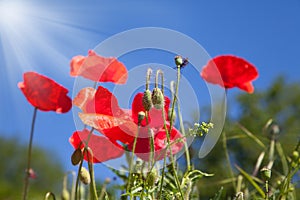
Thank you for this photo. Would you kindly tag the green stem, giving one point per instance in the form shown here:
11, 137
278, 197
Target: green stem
131, 161
170, 130
150, 133
187, 153
26, 181
267, 190
73, 185
93, 189
48, 195
77, 179
149, 72
228, 160
81, 162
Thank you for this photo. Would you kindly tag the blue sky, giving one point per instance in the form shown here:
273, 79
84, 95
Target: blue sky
43, 36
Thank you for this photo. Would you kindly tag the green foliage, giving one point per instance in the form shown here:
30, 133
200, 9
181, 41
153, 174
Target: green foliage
254, 141
12, 171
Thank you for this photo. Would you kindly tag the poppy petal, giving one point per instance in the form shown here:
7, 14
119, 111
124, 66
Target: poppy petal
104, 102
98, 68
248, 87
84, 96
44, 93
230, 71
114, 128
102, 148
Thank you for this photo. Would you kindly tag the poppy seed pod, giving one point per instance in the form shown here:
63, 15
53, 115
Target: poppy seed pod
76, 157
147, 103
158, 98
84, 176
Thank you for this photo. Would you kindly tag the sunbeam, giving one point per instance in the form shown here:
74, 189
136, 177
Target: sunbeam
43, 37
32, 33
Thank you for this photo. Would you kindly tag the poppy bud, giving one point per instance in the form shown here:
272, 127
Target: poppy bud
76, 157
295, 155
266, 173
147, 103
180, 61
107, 181
141, 116
85, 176
172, 115
65, 195
158, 98
151, 178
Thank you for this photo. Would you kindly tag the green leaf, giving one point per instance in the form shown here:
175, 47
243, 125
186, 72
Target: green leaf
218, 195
251, 180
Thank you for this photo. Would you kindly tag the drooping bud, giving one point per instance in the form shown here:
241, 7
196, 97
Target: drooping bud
141, 116
76, 156
65, 195
266, 173
85, 176
147, 103
158, 98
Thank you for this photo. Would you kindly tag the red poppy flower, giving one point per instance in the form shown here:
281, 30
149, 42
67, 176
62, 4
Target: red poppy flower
230, 71
44, 93
103, 149
102, 112
98, 68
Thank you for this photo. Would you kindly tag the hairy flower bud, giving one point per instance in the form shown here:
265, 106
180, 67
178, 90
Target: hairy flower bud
85, 176
158, 98
151, 178
147, 103
76, 157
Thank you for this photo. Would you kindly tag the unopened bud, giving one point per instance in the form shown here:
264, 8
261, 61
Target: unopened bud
180, 61
158, 98
147, 103
295, 155
151, 178
85, 176
266, 173
141, 116
172, 116
76, 157
107, 181
65, 195
275, 130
